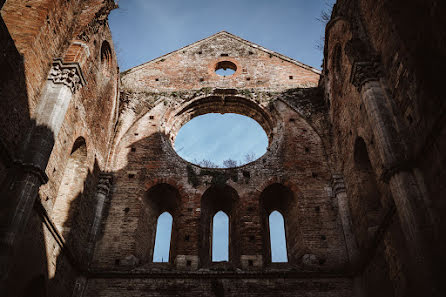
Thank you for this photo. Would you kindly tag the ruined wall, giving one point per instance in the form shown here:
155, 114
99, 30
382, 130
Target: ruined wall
53, 251
157, 99
405, 42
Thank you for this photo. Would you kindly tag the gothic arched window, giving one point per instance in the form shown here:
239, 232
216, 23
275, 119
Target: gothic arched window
277, 237
162, 238
220, 237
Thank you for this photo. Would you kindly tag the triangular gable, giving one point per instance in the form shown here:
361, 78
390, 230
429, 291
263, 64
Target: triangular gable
234, 37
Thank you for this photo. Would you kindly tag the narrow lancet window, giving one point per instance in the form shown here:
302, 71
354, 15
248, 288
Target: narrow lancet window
162, 239
277, 237
220, 237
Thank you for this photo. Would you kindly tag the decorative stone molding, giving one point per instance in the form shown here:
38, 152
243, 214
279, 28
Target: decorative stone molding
69, 74
105, 181
337, 184
363, 72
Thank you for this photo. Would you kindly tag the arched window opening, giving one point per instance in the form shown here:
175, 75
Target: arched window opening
218, 229
156, 231
106, 57
282, 239
220, 237
277, 238
225, 68
367, 186
162, 239
71, 187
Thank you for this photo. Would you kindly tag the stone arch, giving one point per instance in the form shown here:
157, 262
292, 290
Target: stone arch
158, 199
219, 198
278, 197
71, 186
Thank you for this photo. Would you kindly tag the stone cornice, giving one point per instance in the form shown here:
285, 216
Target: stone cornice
69, 74
363, 72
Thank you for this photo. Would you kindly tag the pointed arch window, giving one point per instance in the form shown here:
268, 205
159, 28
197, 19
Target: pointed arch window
162, 237
220, 237
277, 237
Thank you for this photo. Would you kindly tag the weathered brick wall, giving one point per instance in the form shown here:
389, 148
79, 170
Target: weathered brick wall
219, 285
193, 67
42, 31
157, 99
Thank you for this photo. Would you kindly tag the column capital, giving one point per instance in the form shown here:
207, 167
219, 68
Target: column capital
105, 180
69, 74
337, 184
363, 72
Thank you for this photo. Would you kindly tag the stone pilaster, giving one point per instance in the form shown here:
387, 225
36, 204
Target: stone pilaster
340, 194
403, 184
28, 173
101, 197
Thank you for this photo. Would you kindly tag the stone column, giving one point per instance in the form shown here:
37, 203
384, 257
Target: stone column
102, 194
407, 196
20, 190
340, 194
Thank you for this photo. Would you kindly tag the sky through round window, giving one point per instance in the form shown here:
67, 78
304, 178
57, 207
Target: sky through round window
221, 140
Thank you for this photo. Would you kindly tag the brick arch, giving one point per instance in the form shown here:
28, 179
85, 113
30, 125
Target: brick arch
159, 198
280, 180
175, 118
279, 196
219, 198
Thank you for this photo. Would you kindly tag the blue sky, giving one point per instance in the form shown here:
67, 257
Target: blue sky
218, 137
144, 29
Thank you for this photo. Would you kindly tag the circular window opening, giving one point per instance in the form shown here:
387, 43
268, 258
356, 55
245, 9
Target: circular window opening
221, 140
225, 68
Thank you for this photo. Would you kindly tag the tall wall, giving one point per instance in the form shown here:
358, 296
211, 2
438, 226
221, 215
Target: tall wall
293, 177
51, 255
355, 161
405, 44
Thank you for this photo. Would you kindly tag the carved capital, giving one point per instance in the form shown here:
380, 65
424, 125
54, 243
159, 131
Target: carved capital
337, 184
69, 74
363, 72
105, 181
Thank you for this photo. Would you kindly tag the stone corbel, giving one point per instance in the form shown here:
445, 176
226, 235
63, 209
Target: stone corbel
69, 74
363, 72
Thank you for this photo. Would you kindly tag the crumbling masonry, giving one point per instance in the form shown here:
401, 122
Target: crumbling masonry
355, 162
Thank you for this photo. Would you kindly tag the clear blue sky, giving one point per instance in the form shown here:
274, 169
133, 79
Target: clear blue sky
144, 29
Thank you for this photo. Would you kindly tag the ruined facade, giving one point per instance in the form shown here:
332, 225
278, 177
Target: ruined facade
354, 162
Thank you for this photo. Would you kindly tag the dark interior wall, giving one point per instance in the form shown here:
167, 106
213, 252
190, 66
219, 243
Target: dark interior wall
407, 42
43, 31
